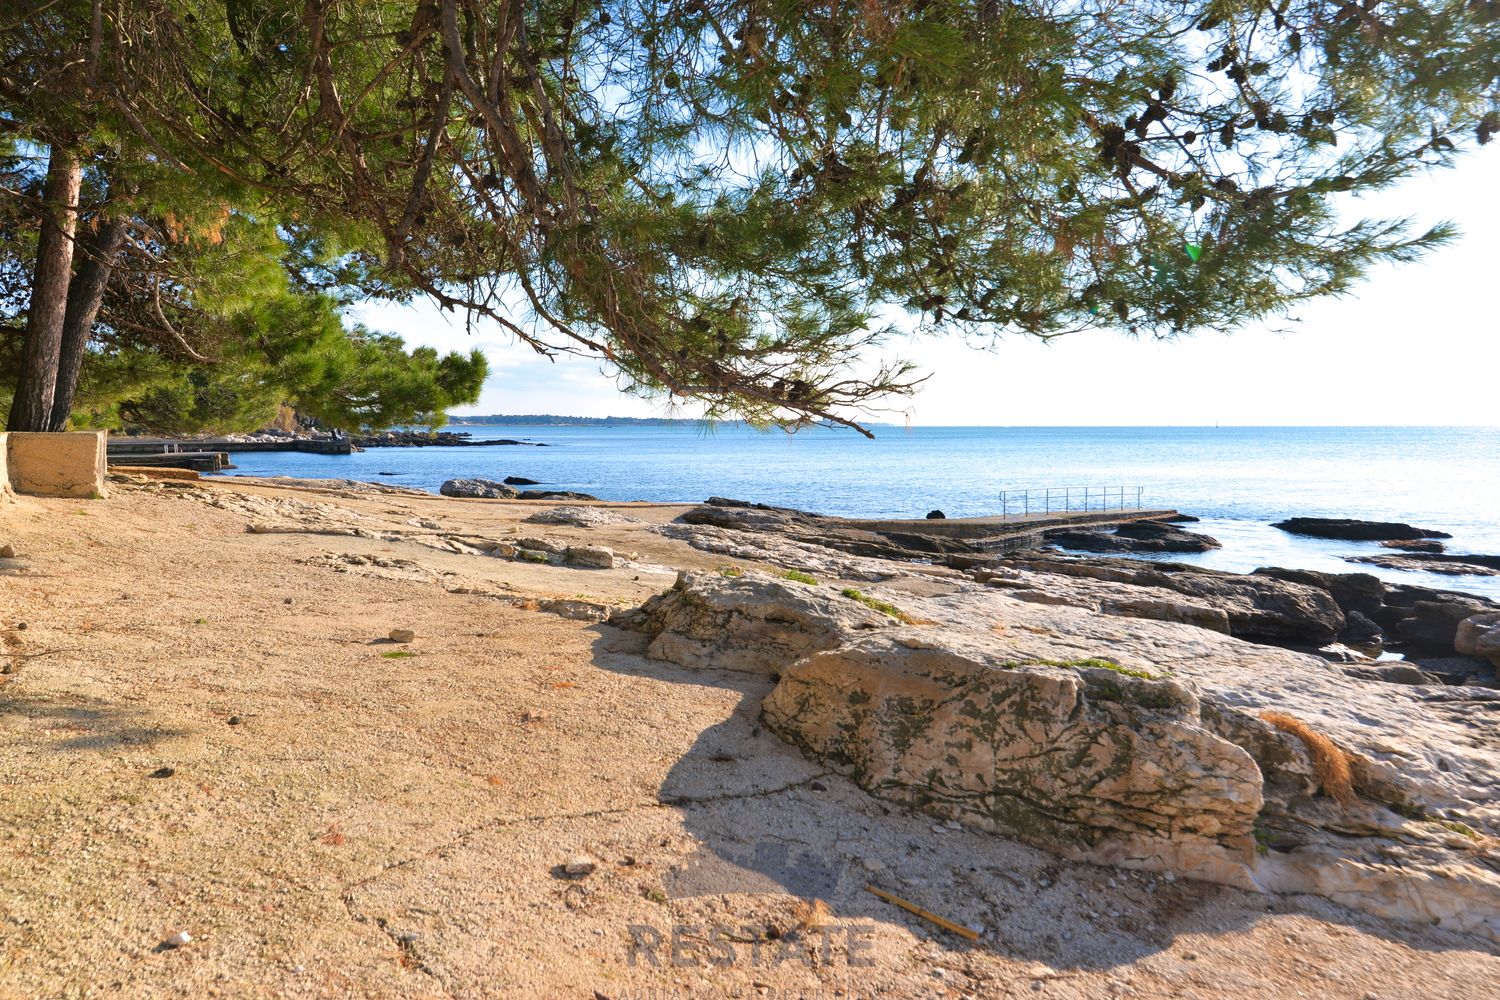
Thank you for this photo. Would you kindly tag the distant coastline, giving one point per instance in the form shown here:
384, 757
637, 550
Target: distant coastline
557, 420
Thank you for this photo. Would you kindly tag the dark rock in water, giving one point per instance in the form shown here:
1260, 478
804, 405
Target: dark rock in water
1258, 607
483, 489
1140, 536
936, 515
521, 481
747, 505
1414, 545
387, 473
1355, 530
1431, 562
1147, 531
426, 439
554, 495
1181, 519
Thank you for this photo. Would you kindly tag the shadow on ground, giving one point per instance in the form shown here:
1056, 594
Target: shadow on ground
82, 723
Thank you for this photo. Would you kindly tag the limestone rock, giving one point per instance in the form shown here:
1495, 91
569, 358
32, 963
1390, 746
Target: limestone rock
484, 489
1258, 607
402, 635
1081, 757
554, 495
752, 622
1479, 635
1200, 615
589, 556
578, 517
1118, 740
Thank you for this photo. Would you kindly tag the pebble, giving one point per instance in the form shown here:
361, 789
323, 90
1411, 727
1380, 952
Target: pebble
235, 720
177, 940
7, 551
579, 864
402, 635
162, 772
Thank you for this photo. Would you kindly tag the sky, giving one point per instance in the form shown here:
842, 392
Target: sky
1413, 344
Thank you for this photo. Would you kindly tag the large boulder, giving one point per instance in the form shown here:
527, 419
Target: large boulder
1355, 592
749, 623
477, 489
1429, 622
1479, 635
1084, 759
1145, 744
1355, 530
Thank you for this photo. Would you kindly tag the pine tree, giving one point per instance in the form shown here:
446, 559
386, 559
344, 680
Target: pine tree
722, 198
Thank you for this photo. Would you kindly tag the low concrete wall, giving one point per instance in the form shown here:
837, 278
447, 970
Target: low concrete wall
68, 464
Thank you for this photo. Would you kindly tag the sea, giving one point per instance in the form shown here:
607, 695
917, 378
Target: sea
1236, 479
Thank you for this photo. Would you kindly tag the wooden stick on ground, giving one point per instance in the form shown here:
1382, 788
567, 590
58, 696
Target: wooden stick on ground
911, 907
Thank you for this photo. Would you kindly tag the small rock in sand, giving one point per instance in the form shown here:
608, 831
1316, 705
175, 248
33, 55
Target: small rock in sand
7, 551
177, 940
579, 865
402, 635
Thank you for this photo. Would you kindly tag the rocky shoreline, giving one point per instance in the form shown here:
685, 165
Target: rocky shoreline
1236, 728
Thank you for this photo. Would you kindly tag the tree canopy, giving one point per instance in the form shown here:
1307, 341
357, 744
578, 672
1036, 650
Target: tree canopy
722, 198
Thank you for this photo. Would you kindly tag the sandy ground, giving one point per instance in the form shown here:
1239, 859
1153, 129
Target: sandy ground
202, 731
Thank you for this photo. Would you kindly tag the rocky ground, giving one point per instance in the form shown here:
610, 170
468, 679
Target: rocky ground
204, 728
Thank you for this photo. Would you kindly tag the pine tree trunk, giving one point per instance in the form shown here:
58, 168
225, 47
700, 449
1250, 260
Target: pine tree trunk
40, 353
84, 298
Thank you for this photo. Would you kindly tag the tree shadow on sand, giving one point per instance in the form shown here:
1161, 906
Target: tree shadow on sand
770, 820
83, 724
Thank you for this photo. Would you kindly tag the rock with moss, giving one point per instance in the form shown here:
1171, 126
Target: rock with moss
1120, 740
1081, 757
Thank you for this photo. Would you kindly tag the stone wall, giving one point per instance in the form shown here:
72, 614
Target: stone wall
69, 464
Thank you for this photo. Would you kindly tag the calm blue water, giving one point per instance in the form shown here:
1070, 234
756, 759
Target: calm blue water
1237, 478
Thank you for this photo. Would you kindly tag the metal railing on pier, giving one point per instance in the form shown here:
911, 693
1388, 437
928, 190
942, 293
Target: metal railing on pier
1064, 499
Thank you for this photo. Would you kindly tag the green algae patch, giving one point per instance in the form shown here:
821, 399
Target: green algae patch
876, 604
